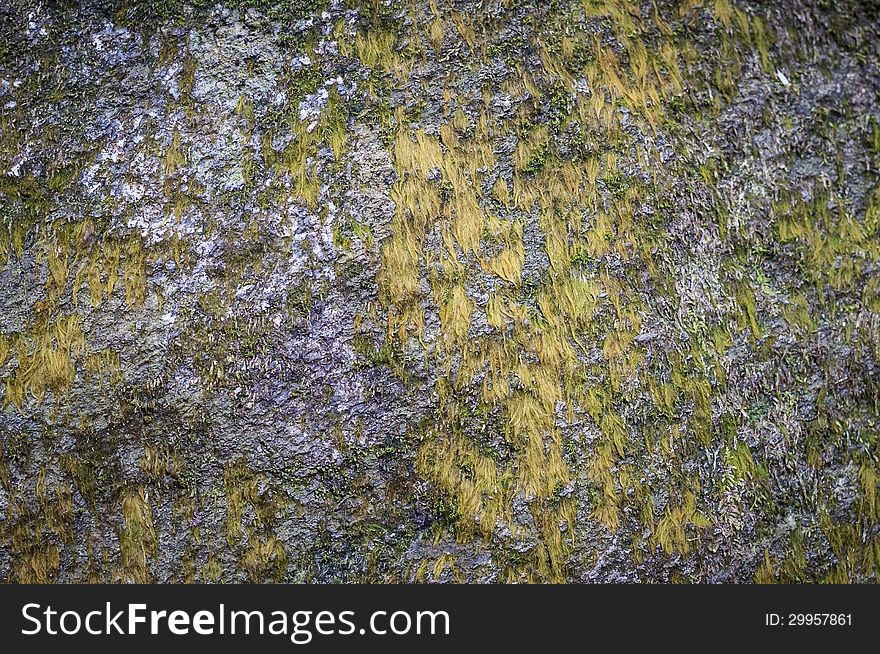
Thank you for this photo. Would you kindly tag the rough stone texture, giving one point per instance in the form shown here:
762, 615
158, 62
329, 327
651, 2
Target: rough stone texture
439, 291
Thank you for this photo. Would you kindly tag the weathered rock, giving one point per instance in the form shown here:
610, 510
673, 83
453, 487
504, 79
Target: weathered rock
465, 291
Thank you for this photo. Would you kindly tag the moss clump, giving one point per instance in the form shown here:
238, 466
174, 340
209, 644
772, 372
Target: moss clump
138, 542
262, 556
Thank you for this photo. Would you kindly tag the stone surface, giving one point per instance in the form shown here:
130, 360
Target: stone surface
456, 291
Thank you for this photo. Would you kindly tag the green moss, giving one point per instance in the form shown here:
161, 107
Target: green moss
304, 81
153, 13
745, 298
138, 541
262, 556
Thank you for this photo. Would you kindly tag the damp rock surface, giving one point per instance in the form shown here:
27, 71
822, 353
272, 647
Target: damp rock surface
454, 291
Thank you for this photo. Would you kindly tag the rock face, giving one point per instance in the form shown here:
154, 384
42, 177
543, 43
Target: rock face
442, 291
